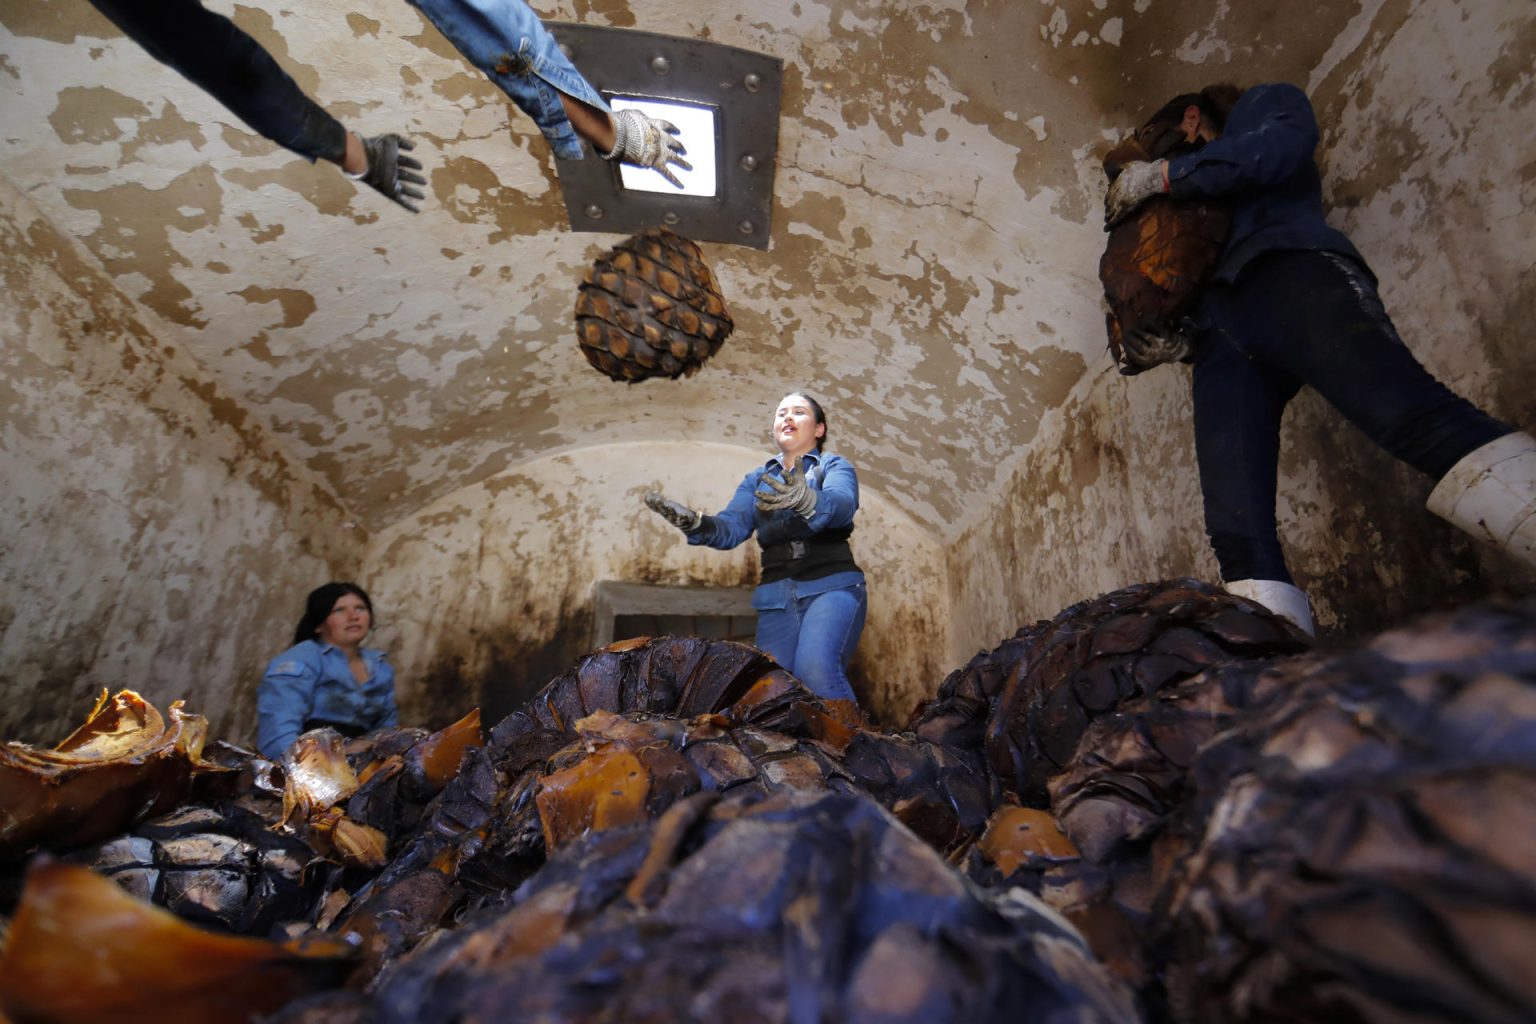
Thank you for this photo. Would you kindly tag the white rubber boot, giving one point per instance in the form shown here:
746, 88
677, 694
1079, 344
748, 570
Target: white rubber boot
1491, 494
1285, 600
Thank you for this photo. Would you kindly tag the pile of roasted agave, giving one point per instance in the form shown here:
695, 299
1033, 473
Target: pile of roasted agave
1160, 805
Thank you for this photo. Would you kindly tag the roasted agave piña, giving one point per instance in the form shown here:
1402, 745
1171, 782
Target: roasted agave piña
1097, 654
126, 763
1370, 847
1156, 260
793, 906
651, 307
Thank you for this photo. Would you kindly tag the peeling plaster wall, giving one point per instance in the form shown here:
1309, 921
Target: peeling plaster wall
487, 594
932, 246
1428, 112
150, 535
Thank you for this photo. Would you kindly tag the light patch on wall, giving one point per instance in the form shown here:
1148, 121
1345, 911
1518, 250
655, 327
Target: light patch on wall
696, 131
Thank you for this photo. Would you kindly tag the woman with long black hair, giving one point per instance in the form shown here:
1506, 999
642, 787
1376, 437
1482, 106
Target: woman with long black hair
327, 678
811, 598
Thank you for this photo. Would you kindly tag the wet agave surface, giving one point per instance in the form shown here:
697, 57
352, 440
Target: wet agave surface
1157, 806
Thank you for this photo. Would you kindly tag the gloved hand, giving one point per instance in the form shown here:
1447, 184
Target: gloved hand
680, 516
794, 494
647, 142
1145, 349
1137, 182
390, 171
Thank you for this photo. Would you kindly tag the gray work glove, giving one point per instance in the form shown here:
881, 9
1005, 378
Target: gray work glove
1137, 182
680, 516
391, 172
1145, 349
794, 494
647, 142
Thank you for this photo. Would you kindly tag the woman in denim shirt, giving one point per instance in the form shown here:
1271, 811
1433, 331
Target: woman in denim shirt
811, 599
327, 678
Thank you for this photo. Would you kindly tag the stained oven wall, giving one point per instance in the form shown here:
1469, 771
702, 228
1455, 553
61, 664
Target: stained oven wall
1427, 112
152, 537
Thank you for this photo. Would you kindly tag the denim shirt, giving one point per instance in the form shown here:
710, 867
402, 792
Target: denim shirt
506, 40
1263, 163
832, 476
313, 681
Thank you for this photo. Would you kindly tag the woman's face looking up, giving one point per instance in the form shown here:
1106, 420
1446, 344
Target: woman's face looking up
347, 624
795, 429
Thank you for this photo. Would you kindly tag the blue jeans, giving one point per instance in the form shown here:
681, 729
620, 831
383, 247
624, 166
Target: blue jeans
215, 55
1306, 318
814, 636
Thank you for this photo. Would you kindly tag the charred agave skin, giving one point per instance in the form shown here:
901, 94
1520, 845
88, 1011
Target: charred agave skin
520, 801
1121, 813
1097, 654
1370, 847
218, 865
798, 906
650, 307
957, 715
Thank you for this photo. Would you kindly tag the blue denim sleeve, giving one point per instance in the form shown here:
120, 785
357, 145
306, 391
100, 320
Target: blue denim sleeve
735, 523
284, 699
386, 676
838, 499
1270, 136
506, 40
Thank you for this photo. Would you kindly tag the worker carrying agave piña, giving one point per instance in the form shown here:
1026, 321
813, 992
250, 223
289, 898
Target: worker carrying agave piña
1291, 302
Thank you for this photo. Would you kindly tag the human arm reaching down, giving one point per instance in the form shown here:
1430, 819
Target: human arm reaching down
506, 40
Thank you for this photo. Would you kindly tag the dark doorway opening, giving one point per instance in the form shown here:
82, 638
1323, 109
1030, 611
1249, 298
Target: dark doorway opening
622, 611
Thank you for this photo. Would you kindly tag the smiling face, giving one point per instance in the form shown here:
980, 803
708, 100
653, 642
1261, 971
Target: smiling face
795, 429
347, 624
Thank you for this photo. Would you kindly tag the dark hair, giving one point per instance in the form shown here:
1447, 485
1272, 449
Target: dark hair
821, 416
318, 606
1215, 103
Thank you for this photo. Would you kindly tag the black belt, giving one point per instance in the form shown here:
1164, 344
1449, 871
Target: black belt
807, 558
787, 551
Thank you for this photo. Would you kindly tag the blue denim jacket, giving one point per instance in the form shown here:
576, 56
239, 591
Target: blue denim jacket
1263, 163
506, 40
838, 500
313, 680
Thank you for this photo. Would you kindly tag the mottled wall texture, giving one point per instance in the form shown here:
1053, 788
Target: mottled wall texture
487, 594
1428, 112
151, 537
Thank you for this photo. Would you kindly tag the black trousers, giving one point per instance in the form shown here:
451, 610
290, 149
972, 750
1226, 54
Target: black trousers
1306, 318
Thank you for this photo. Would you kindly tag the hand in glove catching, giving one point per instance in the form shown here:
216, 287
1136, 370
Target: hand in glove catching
391, 172
647, 142
680, 516
794, 494
1137, 182
1145, 349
